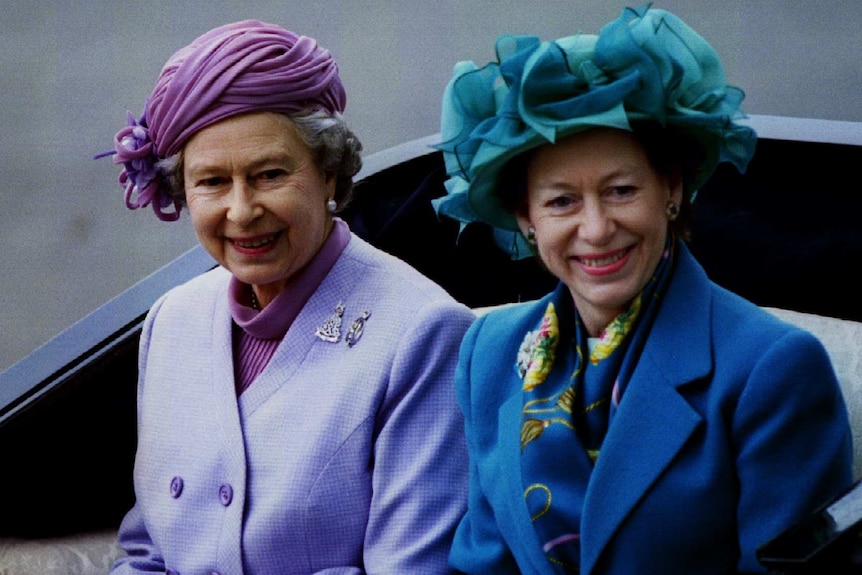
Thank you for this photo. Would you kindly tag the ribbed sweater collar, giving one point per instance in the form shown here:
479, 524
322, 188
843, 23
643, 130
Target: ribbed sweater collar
274, 321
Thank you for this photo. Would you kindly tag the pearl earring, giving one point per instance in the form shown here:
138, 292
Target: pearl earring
331, 205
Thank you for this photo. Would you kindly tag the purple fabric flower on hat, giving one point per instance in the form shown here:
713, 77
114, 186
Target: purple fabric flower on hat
140, 177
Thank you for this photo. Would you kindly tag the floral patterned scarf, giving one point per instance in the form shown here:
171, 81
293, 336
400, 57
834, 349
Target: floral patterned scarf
570, 402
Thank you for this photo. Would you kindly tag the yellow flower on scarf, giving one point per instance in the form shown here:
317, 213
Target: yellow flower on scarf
615, 332
538, 350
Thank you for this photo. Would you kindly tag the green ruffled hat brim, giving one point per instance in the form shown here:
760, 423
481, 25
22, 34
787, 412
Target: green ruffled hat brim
646, 65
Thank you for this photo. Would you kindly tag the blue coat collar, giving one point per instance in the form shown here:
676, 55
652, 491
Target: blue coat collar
641, 443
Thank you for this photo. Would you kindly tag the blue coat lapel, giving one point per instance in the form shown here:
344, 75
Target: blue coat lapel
640, 445
653, 423
654, 419
513, 488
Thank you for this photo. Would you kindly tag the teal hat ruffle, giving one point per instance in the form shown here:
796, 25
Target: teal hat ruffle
645, 65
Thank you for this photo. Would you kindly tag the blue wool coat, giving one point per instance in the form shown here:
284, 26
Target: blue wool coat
337, 460
731, 429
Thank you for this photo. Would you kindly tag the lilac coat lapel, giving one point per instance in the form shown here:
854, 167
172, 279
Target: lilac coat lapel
338, 286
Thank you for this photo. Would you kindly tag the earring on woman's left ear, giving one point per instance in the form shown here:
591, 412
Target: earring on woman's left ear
331, 205
672, 210
531, 235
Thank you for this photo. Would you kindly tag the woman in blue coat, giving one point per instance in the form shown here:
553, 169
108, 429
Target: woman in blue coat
639, 419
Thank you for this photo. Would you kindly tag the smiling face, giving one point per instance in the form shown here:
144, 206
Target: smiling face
257, 199
599, 210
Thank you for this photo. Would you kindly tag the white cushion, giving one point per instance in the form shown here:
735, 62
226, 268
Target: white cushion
83, 554
843, 342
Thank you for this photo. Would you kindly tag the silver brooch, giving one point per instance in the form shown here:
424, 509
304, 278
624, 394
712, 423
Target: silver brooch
356, 329
331, 329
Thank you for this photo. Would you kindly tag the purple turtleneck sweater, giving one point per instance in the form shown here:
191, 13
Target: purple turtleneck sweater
256, 333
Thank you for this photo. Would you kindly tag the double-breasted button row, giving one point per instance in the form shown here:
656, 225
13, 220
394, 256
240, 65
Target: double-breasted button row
225, 492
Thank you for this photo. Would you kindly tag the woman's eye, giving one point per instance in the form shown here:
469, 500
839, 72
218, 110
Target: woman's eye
623, 191
273, 174
559, 202
211, 182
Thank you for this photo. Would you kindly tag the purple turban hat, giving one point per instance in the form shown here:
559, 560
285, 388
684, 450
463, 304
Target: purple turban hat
246, 66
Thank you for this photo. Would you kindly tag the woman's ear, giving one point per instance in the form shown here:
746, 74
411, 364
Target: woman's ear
675, 186
330, 183
524, 223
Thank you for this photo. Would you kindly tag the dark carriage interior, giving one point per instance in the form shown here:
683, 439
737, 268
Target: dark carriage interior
785, 234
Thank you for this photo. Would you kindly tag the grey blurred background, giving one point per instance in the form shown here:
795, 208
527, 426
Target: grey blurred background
69, 71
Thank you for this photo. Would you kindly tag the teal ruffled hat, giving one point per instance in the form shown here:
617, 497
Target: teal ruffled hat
646, 65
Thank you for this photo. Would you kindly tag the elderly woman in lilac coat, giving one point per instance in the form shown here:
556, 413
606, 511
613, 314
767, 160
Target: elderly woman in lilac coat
296, 411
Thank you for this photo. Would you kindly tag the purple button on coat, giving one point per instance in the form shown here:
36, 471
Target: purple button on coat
225, 494
176, 486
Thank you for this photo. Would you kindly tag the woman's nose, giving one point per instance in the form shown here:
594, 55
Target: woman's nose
243, 206
596, 224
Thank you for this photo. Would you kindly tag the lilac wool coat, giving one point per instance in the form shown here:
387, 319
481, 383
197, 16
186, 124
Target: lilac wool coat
338, 459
